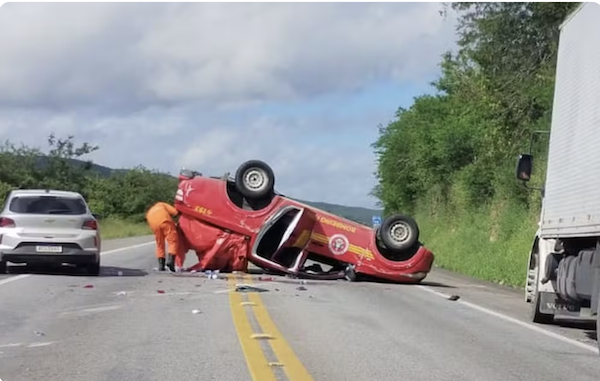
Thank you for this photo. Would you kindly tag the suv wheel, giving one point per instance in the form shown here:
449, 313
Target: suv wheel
3, 267
93, 268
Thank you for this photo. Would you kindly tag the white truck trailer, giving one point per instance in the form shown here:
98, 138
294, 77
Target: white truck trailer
563, 280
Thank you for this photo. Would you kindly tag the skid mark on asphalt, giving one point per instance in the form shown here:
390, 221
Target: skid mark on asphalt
268, 355
512, 320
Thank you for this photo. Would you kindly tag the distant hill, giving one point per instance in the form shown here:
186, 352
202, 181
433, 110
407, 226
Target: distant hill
354, 213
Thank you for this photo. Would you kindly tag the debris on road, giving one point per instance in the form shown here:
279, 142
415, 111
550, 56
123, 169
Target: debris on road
212, 274
196, 312
120, 273
88, 286
248, 288
301, 288
120, 293
265, 279
453, 297
160, 291
39, 333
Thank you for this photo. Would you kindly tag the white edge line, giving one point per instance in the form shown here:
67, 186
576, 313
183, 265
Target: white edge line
11, 345
44, 344
23, 276
521, 323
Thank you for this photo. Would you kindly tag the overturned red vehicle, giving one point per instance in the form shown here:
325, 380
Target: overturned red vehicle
248, 221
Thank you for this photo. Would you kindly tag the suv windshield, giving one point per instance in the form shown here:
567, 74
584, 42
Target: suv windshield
48, 205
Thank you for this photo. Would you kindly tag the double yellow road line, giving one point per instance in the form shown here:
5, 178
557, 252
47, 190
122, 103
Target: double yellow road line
282, 357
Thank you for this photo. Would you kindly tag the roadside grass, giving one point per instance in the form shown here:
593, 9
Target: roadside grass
491, 243
111, 228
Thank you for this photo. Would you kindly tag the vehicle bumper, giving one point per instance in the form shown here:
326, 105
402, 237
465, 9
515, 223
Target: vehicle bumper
413, 271
71, 257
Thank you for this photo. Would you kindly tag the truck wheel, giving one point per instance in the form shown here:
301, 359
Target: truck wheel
399, 232
254, 179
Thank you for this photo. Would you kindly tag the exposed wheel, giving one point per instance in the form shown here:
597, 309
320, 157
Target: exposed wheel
93, 269
399, 232
3, 267
254, 179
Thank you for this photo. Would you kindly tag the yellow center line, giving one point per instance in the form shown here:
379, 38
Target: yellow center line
255, 359
260, 369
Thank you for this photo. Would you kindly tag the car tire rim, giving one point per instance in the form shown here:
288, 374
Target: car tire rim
400, 232
255, 179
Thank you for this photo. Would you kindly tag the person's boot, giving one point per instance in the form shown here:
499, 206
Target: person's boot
161, 264
171, 263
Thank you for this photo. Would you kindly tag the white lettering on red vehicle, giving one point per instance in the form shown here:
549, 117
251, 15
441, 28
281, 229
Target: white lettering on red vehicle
179, 195
338, 244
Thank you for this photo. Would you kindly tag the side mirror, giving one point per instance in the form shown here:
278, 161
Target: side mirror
524, 167
97, 216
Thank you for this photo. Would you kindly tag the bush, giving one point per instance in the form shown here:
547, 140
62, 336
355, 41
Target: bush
450, 157
120, 197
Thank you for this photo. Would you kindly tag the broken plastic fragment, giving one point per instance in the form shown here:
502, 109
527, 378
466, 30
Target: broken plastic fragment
160, 291
265, 279
39, 333
88, 286
278, 364
196, 312
453, 297
248, 288
261, 336
301, 288
212, 274
121, 293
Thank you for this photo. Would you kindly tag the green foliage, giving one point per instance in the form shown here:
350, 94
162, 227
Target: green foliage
113, 195
451, 155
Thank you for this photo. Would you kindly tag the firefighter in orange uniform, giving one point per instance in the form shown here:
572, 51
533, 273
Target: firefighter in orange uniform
160, 219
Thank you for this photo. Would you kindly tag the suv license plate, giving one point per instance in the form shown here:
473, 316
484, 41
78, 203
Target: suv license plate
48, 249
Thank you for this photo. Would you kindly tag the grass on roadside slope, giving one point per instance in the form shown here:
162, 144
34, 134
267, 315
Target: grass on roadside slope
111, 228
491, 243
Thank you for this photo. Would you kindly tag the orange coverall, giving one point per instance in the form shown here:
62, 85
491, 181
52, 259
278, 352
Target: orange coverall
160, 219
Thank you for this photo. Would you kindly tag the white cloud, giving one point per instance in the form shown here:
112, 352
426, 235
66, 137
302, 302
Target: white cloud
137, 54
171, 84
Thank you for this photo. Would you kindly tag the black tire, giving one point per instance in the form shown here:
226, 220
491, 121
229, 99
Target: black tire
93, 269
3, 267
258, 171
399, 232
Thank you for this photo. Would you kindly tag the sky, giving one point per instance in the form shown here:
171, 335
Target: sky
207, 86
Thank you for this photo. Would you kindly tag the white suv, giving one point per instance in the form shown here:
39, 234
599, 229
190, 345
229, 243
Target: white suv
49, 226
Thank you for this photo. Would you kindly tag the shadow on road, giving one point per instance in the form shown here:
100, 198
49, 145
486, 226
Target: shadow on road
592, 335
589, 326
435, 284
105, 271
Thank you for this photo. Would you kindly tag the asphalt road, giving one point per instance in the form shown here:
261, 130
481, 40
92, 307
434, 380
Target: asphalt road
123, 328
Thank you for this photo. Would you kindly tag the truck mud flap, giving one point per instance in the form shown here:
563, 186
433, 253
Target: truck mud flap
553, 304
